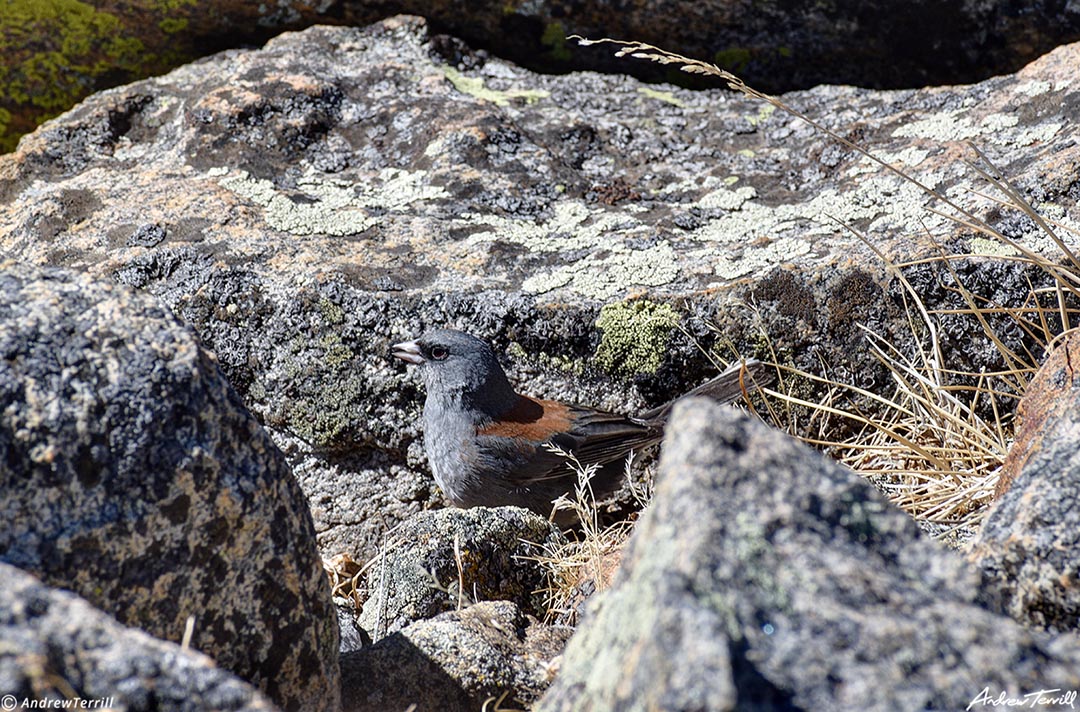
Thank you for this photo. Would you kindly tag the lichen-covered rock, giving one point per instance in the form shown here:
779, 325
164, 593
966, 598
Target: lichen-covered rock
306, 205
134, 475
1029, 543
436, 561
764, 576
54, 645
458, 661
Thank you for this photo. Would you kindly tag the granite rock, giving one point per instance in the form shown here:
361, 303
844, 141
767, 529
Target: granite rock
438, 561
134, 475
490, 652
55, 53
764, 576
1029, 542
55, 646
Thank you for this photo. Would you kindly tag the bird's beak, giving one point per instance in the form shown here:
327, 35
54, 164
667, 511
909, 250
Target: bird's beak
408, 351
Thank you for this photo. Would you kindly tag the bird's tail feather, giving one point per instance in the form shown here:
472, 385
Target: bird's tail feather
739, 378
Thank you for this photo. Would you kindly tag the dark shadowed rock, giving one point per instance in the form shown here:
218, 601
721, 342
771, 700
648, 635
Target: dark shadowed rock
766, 577
436, 560
1029, 543
133, 475
455, 662
54, 645
306, 205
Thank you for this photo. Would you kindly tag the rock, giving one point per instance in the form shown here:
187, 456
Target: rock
457, 660
434, 556
1043, 414
764, 576
55, 53
353, 637
1029, 543
134, 476
54, 646
343, 189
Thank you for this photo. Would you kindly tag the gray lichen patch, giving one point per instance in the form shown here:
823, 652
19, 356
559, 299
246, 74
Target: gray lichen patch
957, 125
574, 226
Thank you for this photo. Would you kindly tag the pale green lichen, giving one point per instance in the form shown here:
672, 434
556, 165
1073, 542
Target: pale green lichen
339, 208
726, 199
1036, 134
609, 270
474, 86
331, 313
612, 273
908, 157
635, 336
335, 352
664, 96
885, 201
992, 248
1034, 88
954, 126
758, 259
573, 226
763, 113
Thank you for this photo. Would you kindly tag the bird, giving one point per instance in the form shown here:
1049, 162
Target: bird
489, 446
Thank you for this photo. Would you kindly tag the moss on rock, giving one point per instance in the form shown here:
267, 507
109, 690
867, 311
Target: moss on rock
636, 335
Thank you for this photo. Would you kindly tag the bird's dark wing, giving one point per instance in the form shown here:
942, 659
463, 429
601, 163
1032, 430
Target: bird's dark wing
599, 437
523, 436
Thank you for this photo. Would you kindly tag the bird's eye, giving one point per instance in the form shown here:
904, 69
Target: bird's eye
439, 353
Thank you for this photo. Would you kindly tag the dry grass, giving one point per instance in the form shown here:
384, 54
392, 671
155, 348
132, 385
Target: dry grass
586, 563
934, 444
345, 576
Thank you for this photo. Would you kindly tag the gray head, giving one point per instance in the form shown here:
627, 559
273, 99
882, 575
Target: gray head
459, 367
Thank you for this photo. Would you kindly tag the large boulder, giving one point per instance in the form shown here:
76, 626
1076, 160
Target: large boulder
57, 51
767, 577
134, 475
55, 646
305, 205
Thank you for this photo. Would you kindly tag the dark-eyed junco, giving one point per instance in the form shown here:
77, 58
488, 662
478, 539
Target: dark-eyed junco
486, 444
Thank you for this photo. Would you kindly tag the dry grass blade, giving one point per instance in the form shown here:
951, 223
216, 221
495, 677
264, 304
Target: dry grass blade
587, 561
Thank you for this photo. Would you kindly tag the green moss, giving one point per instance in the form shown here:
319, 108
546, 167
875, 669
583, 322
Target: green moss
636, 335
172, 25
56, 45
733, 59
59, 51
169, 6
554, 38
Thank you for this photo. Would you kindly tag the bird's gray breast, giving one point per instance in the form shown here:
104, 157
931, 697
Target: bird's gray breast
449, 440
